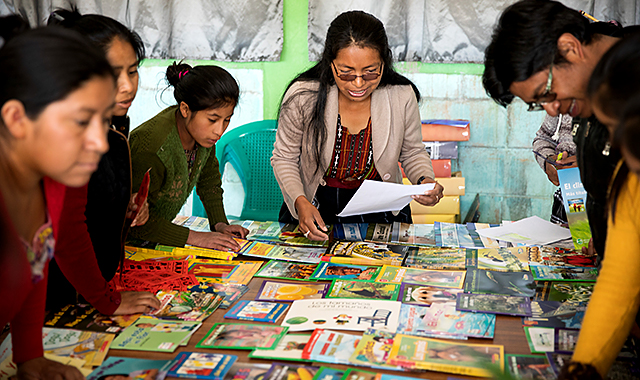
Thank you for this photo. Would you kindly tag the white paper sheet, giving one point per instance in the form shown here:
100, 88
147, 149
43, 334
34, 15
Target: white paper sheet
530, 231
377, 196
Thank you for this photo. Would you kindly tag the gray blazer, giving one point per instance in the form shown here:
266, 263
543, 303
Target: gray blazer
396, 137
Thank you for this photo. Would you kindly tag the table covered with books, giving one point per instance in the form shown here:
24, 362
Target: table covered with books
378, 301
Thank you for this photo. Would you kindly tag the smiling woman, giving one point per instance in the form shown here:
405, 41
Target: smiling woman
178, 146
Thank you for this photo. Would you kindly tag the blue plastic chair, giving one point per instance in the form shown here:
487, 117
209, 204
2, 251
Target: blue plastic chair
248, 148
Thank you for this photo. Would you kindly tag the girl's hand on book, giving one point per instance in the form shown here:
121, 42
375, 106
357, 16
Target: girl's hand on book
232, 229
308, 218
213, 240
137, 302
44, 369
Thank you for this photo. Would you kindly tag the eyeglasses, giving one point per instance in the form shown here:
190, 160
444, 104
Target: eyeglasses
546, 97
352, 77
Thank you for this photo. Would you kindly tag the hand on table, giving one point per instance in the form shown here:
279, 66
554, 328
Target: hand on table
45, 369
232, 230
137, 302
143, 214
431, 197
215, 240
309, 217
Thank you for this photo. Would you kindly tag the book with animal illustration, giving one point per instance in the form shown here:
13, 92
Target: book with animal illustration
331, 271
287, 270
366, 253
440, 278
363, 290
373, 349
422, 295
508, 283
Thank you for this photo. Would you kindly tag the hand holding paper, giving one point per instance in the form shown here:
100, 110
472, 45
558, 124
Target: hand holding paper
376, 196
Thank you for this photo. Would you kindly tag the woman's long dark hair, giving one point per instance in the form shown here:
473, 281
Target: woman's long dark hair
354, 28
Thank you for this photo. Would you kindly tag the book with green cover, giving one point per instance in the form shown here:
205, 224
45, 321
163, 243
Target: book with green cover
151, 334
373, 349
289, 348
287, 270
441, 278
366, 253
331, 271
363, 290
242, 336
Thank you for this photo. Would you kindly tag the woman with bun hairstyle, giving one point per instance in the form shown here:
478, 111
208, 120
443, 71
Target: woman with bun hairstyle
56, 99
102, 207
349, 118
178, 146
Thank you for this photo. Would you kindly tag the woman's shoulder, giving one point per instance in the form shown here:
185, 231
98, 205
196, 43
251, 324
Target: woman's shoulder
302, 88
154, 131
404, 91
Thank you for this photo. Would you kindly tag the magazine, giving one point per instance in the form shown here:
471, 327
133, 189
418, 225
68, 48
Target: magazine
289, 348
422, 295
257, 311
127, 366
89, 346
363, 290
508, 283
342, 314
557, 273
574, 199
287, 270
289, 292
441, 278
533, 367
282, 371
151, 334
436, 258
328, 346
494, 303
242, 336
85, 317
186, 306
373, 349
413, 352
556, 314
331, 271
200, 365
365, 253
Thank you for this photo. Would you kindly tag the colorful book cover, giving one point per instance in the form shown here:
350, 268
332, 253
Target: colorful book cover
496, 259
262, 231
454, 235
363, 290
416, 294
555, 273
287, 270
533, 367
565, 340
225, 272
209, 253
556, 314
557, 360
410, 320
290, 234
84, 317
331, 271
230, 292
256, 311
373, 349
286, 371
151, 334
556, 256
242, 336
508, 283
495, 304
247, 371
379, 233
200, 365
358, 374
574, 292
436, 258
444, 321
289, 348
440, 278
473, 232
366, 253
342, 314
328, 346
289, 292
130, 367
89, 346
413, 234
436, 355
384, 376
350, 231
301, 254
575, 200
186, 306
327, 373
540, 339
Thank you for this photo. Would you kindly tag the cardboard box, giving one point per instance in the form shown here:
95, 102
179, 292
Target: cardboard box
452, 185
445, 130
447, 205
432, 218
441, 168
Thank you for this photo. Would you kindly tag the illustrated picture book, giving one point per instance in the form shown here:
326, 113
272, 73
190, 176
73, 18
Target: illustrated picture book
444, 321
373, 349
258, 311
89, 346
247, 371
200, 365
437, 258
289, 348
328, 346
508, 283
534, 367
230, 292
441, 278
557, 273
242, 336
288, 292
127, 367
186, 306
287, 270
331, 271
151, 334
287, 371
225, 272
556, 314
365, 253
494, 303
363, 290
84, 317
416, 294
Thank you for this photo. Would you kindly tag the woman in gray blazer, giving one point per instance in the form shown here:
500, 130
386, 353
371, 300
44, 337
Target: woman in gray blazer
349, 118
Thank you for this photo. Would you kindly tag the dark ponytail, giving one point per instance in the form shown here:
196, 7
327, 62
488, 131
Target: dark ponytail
202, 87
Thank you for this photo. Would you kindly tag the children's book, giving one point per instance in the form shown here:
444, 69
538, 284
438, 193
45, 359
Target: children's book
331, 271
540, 339
416, 294
186, 306
350, 231
508, 283
384, 376
557, 256
256, 311
230, 292
495, 304
126, 367
247, 371
365, 253
242, 336
286, 371
556, 314
413, 234
288, 292
224, 272
358, 374
565, 340
436, 258
379, 233
557, 360
496, 259
328, 373
151, 334
473, 232
287, 270
533, 367
556, 273
342, 314
373, 349
444, 321
286, 253
84, 317
200, 365
289, 348
454, 235
208, 253
413, 352
328, 346
574, 198
290, 234
263, 231
363, 290
441, 278
89, 346
571, 295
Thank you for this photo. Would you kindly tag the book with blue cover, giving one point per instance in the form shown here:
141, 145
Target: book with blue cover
200, 365
257, 311
574, 198
126, 367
